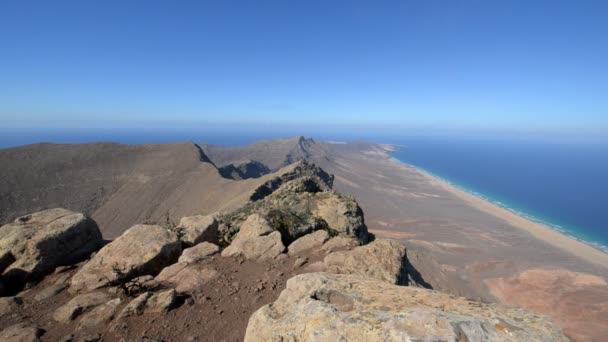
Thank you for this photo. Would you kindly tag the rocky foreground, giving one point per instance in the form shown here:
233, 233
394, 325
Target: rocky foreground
294, 263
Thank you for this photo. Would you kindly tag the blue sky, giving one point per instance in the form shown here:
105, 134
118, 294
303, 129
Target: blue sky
501, 65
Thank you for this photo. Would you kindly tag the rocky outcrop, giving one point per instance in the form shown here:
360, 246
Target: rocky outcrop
298, 206
34, 245
382, 260
331, 307
306, 242
199, 228
199, 252
141, 250
256, 240
79, 305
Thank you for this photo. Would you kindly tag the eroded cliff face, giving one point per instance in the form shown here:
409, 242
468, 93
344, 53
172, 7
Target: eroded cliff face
209, 276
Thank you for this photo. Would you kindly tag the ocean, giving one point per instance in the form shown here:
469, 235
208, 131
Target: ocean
560, 183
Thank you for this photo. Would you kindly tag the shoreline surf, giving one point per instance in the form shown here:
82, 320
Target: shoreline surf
584, 249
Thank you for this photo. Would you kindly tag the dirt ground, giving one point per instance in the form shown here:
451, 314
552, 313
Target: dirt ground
218, 312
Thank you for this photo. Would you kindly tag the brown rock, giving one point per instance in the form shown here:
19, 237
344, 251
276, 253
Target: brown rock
340, 242
21, 332
79, 305
185, 277
307, 242
256, 240
381, 259
9, 304
100, 315
141, 250
199, 252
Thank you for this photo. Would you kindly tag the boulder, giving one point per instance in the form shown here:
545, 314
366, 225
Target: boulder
199, 228
199, 252
307, 242
34, 245
21, 332
381, 259
135, 307
9, 304
100, 315
79, 305
256, 240
186, 277
141, 250
334, 307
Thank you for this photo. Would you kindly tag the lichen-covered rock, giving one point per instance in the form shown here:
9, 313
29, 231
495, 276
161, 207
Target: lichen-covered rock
306, 242
199, 252
199, 228
256, 240
335, 307
141, 250
186, 277
21, 332
381, 259
33, 245
79, 305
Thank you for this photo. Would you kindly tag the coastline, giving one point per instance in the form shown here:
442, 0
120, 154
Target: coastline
540, 231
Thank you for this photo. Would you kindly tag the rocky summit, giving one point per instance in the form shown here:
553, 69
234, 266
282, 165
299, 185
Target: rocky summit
295, 262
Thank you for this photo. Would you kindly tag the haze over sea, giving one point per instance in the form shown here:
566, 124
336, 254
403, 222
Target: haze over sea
560, 183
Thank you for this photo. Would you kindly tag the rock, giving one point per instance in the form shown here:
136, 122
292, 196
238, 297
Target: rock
342, 214
340, 242
79, 305
50, 291
60, 284
307, 242
333, 307
21, 332
199, 228
186, 277
135, 307
381, 259
150, 303
256, 240
141, 250
34, 245
100, 315
299, 262
199, 252
9, 304
161, 301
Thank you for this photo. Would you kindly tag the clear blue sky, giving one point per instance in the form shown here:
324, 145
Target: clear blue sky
485, 64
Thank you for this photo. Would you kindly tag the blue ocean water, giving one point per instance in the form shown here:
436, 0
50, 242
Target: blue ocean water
562, 184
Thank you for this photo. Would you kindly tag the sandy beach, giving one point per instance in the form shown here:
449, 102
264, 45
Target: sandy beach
551, 236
